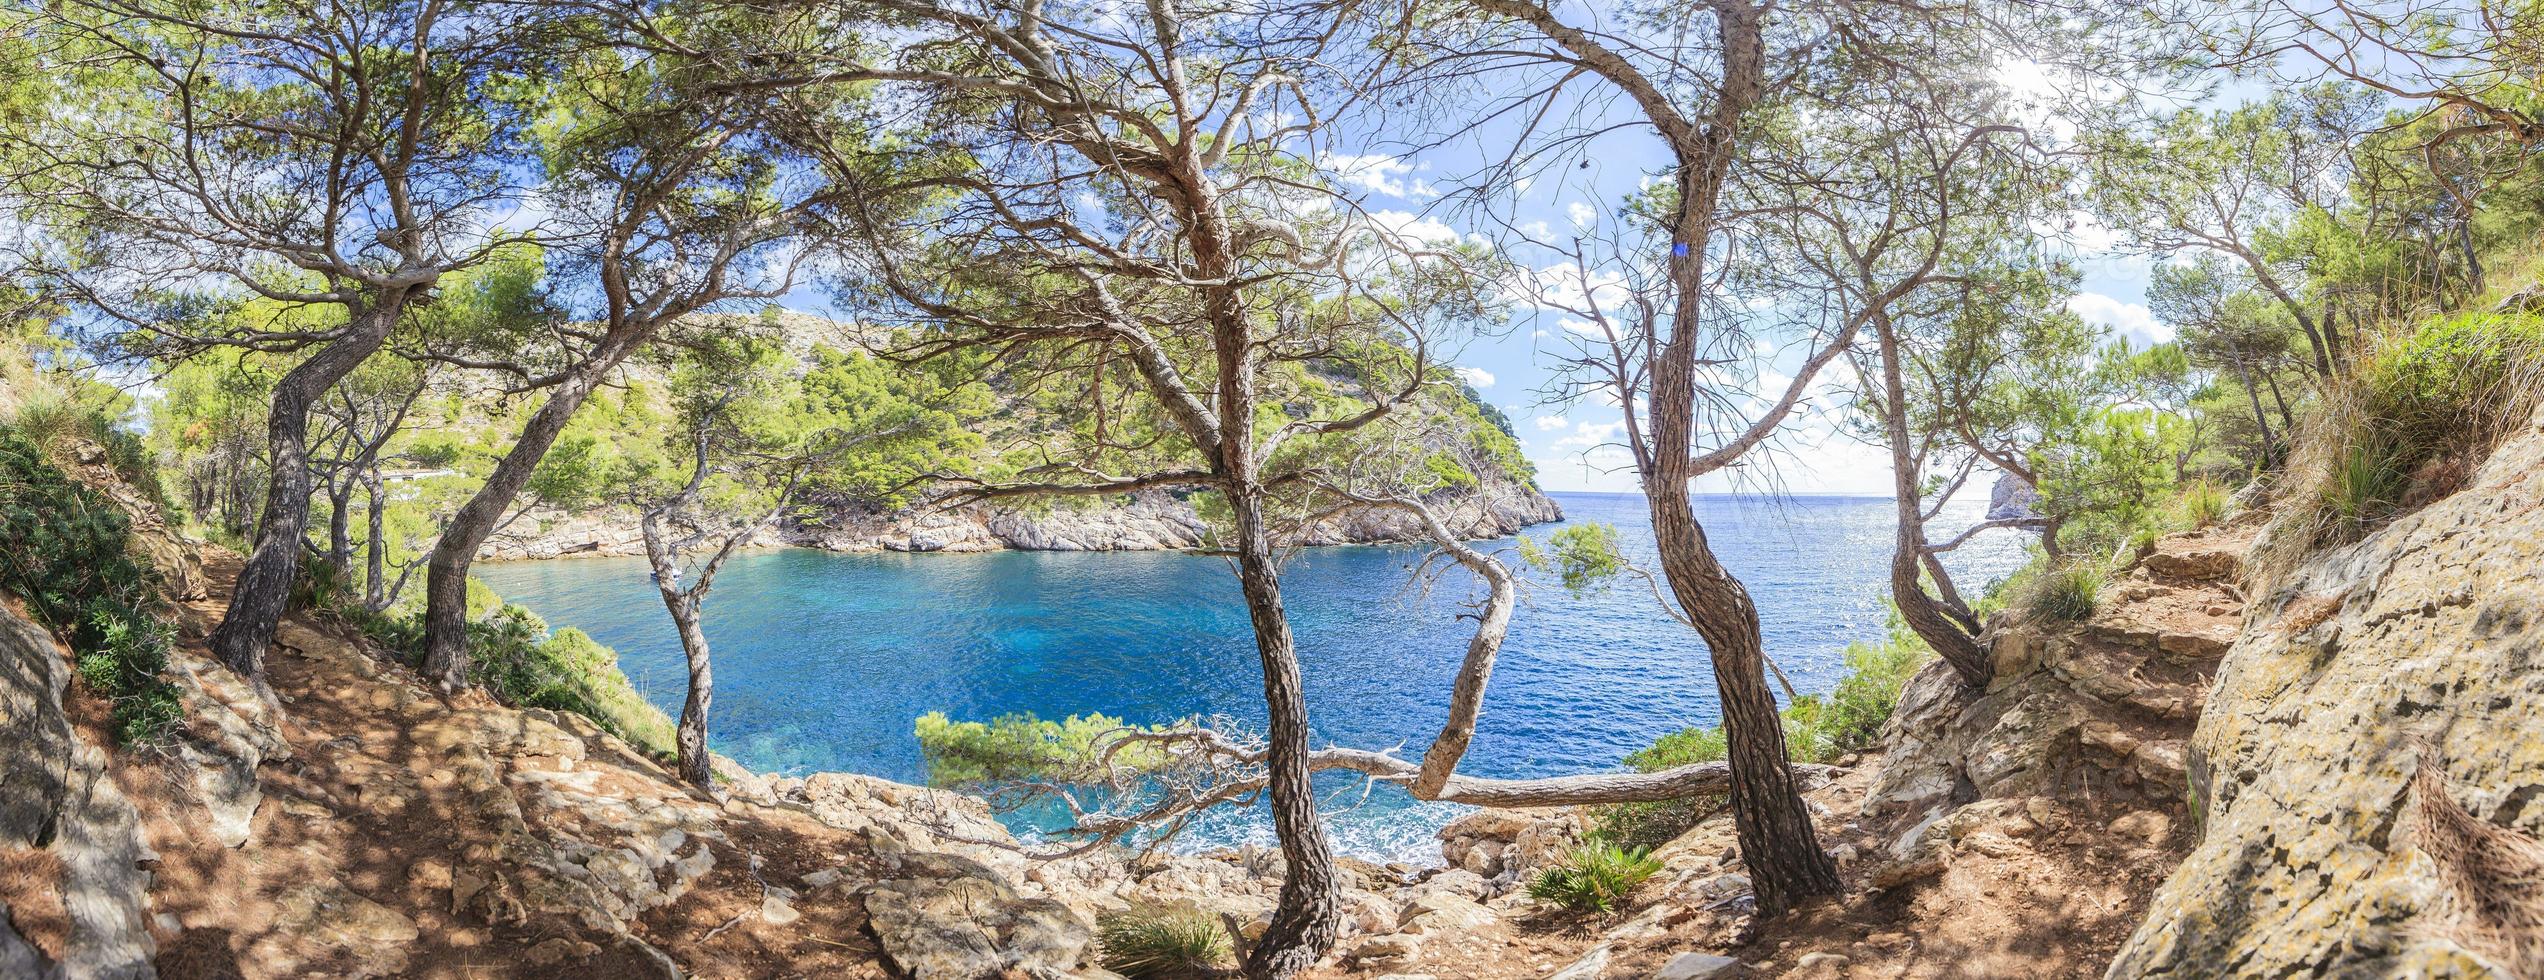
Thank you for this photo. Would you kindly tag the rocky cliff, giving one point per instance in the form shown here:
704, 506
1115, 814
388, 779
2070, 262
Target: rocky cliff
1151, 521
2370, 771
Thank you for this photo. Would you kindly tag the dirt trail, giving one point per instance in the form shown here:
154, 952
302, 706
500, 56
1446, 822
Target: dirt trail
402, 833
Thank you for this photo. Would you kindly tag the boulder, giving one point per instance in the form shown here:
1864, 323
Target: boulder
1441, 911
56, 794
962, 928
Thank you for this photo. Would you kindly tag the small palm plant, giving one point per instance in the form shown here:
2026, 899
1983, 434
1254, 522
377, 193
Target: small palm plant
1594, 877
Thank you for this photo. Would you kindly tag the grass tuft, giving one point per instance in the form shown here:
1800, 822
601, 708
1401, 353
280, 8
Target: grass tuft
2067, 593
1162, 942
2407, 426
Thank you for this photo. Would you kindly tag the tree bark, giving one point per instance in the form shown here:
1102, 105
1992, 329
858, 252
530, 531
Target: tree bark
1777, 842
1308, 920
340, 530
375, 543
446, 577
265, 581
1957, 646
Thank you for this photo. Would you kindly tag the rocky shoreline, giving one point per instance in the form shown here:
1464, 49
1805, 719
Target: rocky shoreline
1151, 521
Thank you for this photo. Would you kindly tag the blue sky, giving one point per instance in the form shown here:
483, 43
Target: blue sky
1573, 443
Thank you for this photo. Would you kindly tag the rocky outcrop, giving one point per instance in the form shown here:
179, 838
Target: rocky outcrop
2011, 499
2417, 652
2099, 709
1151, 521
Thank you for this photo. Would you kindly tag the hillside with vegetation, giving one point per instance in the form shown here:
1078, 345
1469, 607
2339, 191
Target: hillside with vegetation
307, 308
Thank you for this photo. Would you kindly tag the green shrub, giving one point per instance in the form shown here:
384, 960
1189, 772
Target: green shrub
1161, 942
66, 550
1817, 728
2407, 426
1021, 747
2066, 593
2455, 384
1595, 877
514, 656
1820, 728
1685, 747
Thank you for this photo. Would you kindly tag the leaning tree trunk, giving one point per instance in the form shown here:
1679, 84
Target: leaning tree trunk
1950, 640
265, 582
691, 737
446, 577
1308, 920
1777, 842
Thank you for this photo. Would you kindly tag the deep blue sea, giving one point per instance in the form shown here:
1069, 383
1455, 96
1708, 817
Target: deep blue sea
822, 661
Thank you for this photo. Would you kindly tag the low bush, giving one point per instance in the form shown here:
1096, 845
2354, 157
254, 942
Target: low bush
2200, 504
1019, 747
1817, 728
1145, 944
66, 550
1820, 728
521, 663
1595, 877
514, 656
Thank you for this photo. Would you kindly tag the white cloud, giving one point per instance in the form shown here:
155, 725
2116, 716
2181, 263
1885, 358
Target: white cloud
1476, 377
1566, 289
1550, 423
1582, 327
1582, 215
1416, 229
1379, 173
2132, 319
1590, 435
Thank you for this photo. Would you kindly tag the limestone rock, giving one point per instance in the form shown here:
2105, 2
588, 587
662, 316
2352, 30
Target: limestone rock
1441, 911
1589, 967
55, 794
1147, 521
2308, 860
1384, 951
961, 928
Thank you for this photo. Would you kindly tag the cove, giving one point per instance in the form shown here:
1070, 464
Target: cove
823, 660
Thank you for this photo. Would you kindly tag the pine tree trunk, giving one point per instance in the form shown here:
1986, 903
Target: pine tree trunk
1778, 845
340, 530
1924, 616
375, 545
265, 582
692, 735
1308, 920
446, 577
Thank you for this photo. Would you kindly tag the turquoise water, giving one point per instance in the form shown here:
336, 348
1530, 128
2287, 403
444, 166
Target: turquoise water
823, 660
